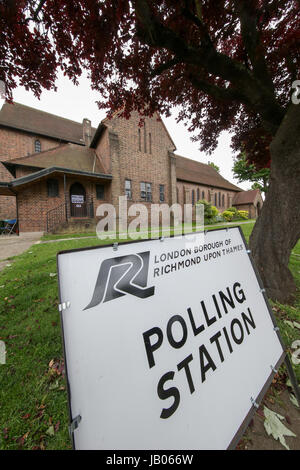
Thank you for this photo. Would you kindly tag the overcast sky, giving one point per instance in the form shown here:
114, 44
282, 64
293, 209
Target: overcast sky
78, 102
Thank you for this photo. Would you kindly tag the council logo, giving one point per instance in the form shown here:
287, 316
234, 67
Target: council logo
120, 276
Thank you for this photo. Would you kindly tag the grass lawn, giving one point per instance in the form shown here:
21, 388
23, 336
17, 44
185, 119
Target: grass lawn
33, 399
50, 236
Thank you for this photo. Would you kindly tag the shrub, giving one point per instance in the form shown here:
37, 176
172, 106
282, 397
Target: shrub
232, 209
228, 216
214, 211
243, 214
210, 212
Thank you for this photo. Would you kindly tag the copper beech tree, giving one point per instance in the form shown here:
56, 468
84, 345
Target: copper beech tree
228, 64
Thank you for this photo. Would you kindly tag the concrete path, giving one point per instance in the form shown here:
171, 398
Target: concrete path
12, 245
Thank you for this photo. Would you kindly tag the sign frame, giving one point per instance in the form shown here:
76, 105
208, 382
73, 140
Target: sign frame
74, 421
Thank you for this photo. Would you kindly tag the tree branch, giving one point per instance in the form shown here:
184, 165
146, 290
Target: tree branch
252, 42
250, 89
167, 65
219, 93
39, 7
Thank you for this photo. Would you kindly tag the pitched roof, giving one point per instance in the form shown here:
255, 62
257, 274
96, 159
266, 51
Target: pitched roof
245, 197
72, 156
103, 124
10, 187
197, 172
25, 118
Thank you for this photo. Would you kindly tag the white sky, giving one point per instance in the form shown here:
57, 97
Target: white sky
78, 102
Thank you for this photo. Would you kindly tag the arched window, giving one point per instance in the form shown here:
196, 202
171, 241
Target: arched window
203, 195
193, 197
216, 199
37, 146
223, 200
198, 194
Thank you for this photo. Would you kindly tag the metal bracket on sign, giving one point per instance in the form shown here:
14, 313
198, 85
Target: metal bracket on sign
74, 424
64, 305
253, 402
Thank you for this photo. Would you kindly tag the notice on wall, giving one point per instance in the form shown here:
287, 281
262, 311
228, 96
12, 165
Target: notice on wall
167, 343
77, 199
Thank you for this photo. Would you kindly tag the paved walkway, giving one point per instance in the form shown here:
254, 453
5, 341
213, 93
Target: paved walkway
12, 245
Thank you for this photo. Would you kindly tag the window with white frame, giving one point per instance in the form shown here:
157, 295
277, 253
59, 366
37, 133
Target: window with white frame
128, 190
146, 191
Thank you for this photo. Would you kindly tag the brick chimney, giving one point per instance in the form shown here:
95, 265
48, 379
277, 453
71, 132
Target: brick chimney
87, 131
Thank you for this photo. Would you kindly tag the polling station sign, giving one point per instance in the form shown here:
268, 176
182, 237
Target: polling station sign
169, 344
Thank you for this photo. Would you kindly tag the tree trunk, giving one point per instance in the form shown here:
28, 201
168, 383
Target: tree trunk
277, 229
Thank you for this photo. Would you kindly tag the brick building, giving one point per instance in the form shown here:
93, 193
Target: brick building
54, 170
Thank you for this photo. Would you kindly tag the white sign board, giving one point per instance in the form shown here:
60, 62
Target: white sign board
167, 343
77, 199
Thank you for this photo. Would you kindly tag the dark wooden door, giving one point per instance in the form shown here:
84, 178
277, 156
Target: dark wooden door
78, 200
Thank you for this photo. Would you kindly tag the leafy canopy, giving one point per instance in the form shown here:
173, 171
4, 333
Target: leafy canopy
229, 64
245, 171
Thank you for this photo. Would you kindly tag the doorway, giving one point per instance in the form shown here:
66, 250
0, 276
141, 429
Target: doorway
78, 200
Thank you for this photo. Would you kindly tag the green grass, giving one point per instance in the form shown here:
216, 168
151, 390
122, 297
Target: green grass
61, 236
33, 398
49, 236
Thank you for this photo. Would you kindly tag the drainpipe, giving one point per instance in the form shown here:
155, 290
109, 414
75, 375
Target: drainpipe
65, 193
17, 207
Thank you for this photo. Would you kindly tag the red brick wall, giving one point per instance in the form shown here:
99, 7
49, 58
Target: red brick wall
34, 202
184, 192
139, 159
103, 151
15, 144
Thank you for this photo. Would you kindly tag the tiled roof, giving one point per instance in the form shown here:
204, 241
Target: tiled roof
197, 172
25, 118
245, 197
72, 156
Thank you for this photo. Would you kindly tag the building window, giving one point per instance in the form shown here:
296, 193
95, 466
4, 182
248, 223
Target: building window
150, 143
223, 200
37, 146
161, 193
145, 139
140, 139
198, 194
216, 199
219, 199
193, 197
203, 195
128, 191
100, 191
146, 191
52, 188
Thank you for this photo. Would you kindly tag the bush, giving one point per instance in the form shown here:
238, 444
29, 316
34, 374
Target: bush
232, 209
243, 214
228, 216
210, 212
214, 211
